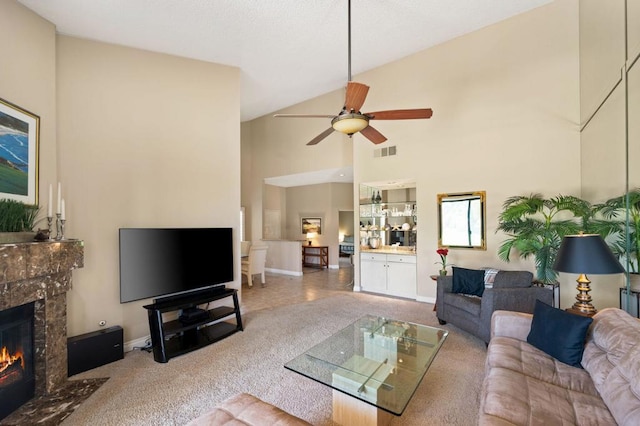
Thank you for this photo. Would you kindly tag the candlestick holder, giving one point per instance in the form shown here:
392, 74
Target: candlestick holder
59, 230
49, 222
62, 221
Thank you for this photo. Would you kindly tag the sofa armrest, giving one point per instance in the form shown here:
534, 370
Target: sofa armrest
511, 324
444, 284
245, 409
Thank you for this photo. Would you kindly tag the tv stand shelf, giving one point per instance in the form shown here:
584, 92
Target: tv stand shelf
172, 338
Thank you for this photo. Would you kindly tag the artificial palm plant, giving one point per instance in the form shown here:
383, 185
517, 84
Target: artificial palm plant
536, 225
626, 242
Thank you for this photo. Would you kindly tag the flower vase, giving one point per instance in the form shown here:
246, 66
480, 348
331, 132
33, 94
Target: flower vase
443, 272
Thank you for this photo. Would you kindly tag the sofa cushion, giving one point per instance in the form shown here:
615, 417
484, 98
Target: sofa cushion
559, 333
512, 398
612, 358
468, 281
513, 279
519, 356
469, 304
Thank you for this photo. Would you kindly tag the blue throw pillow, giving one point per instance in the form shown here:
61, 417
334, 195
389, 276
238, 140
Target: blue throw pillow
468, 281
559, 333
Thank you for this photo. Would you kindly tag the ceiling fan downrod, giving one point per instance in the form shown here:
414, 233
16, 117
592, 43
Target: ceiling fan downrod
349, 40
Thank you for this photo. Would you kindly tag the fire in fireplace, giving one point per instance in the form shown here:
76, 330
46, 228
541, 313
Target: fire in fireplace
17, 379
11, 366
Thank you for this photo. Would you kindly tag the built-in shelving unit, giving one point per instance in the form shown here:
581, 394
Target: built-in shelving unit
384, 219
388, 217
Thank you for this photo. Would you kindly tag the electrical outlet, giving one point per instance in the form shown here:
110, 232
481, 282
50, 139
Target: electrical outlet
102, 323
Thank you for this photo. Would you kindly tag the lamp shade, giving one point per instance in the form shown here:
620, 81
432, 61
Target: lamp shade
586, 254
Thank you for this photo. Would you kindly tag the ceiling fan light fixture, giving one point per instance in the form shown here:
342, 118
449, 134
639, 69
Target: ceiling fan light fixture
350, 123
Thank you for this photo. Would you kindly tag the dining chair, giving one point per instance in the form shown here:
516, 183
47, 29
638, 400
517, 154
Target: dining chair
244, 248
255, 263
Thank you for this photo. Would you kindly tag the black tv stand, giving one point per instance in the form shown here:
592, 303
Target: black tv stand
173, 338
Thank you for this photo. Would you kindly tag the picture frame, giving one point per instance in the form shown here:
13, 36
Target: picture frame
311, 225
19, 169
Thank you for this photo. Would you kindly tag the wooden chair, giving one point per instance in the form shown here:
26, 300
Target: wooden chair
255, 263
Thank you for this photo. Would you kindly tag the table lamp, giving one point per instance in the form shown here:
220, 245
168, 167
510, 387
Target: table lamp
311, 236
585, 254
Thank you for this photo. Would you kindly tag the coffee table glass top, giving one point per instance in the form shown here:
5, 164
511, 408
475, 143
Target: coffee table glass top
378, 360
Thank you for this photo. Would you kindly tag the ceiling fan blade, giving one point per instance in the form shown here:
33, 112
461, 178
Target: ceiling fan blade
321, 136
373, 135
356, 94
305, 115
400, 114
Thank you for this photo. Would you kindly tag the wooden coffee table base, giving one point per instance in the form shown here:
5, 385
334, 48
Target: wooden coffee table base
350, 411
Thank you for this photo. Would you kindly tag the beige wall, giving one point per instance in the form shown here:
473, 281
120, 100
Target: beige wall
610, 108
277, 146
28, 80
506, 110
144, 140
137, 139
506, 121
323, 201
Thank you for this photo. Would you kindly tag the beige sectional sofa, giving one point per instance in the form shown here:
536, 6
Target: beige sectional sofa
246, 410
525, 386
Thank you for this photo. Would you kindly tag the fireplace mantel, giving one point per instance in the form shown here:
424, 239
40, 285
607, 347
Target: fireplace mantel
40, 272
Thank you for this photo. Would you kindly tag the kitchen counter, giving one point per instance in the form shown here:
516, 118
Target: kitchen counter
407, 251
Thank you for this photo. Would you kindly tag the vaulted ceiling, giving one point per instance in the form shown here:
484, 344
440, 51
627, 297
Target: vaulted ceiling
288, 51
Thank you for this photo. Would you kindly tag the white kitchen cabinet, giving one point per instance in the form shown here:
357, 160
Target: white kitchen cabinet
392, 274
373, 272
401, 275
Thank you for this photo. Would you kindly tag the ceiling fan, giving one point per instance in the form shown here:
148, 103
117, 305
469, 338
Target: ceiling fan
350, 120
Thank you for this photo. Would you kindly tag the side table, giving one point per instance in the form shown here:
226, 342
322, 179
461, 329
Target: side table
310, 253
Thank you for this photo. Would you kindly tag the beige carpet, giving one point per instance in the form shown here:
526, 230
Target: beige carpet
141, 391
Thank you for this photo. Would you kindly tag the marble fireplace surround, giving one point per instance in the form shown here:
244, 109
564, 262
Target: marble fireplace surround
40, 272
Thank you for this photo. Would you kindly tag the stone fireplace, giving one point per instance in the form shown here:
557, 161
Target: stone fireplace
38, 275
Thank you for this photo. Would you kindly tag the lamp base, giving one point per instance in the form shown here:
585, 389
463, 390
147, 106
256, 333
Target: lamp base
308, 243
583, 304
575, 311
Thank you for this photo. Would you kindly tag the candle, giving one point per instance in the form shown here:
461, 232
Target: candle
49, 206
62, 216
59, 197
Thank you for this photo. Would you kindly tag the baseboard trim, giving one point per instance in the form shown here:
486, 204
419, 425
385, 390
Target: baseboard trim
284, 272
426, 299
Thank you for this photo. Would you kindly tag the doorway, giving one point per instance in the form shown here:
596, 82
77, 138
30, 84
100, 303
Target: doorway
345, 238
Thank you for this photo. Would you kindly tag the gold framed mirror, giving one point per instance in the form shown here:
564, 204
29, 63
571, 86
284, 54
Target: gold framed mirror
461, 220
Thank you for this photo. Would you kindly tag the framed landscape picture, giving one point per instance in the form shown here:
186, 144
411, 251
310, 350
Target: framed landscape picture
19, 140
312, 224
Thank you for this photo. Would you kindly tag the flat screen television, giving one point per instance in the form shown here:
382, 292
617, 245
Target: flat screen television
164, 262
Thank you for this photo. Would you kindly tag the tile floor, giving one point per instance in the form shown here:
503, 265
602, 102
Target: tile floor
281, 290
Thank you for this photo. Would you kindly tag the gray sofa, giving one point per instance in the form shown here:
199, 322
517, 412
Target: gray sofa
511, 291
525, 386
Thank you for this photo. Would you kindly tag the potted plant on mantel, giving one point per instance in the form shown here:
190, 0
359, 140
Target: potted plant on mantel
627, 250
536, 226
17, 221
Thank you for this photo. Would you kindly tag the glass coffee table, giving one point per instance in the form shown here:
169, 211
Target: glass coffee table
374, 366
